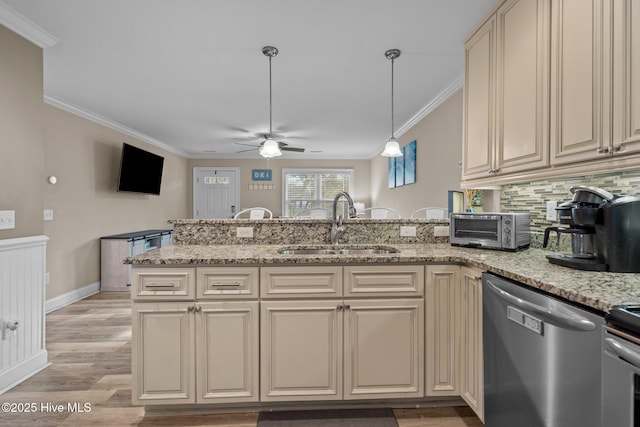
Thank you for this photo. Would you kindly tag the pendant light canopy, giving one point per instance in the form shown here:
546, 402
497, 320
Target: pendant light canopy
392, 148
270, 148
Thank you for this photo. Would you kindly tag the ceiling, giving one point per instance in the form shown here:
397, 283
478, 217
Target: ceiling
190, 76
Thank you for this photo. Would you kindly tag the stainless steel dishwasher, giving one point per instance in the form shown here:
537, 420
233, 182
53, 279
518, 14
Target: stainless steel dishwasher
542, 358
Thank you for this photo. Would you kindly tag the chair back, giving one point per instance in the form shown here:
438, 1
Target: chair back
431, 213
314, 213
255, 213
379, 213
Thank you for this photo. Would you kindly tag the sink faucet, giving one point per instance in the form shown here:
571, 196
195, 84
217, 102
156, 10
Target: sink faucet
337, 229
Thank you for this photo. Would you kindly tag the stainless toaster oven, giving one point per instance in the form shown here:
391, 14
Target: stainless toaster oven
491, 230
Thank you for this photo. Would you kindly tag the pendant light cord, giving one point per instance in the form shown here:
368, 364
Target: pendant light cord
392, 60
270, 100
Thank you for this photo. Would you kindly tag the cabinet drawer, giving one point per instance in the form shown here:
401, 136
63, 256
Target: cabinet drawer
227, 282
163, 283
371, 281
294, 282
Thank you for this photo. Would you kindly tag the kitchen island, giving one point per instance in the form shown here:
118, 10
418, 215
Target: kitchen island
265, 326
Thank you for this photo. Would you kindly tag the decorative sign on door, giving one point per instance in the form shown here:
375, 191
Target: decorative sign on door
261, 174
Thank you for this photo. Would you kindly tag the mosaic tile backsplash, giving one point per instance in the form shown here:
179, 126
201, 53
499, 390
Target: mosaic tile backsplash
532, 196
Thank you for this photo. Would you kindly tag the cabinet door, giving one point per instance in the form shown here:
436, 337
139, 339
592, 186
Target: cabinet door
384, 348
478, 158
522, 127
472, 384
442, 364
300, 350
388, 280
227, 352
162, 343
577, 98
626, 79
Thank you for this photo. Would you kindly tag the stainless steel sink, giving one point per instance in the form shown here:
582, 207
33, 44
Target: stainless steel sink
340, 250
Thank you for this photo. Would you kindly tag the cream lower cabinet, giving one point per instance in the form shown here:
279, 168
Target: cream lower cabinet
454, 334
342, 348
194, 351
471, 359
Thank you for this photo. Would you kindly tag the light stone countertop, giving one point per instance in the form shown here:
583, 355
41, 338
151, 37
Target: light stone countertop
596, 290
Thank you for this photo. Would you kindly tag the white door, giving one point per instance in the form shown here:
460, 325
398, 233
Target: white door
216, 192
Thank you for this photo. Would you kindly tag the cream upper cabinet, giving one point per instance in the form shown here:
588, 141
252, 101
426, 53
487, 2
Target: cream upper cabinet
471, 359
626, 77
478, 144
506, 124
522, 104
579, 99
442, 373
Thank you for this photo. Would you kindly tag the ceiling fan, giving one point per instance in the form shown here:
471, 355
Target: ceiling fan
269, 147
283, 146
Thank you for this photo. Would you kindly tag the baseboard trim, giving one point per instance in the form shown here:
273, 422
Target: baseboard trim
16, 374
71, 297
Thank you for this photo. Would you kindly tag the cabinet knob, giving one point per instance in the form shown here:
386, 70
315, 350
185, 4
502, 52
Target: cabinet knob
190, 308
347, 307
339, 307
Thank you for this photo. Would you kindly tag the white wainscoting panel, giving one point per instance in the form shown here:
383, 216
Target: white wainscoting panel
22, 299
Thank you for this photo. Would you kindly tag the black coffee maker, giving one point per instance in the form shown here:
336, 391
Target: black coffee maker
618, 234
578, 218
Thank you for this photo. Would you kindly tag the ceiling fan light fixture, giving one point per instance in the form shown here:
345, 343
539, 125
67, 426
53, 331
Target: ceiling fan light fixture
270, 149
392, 148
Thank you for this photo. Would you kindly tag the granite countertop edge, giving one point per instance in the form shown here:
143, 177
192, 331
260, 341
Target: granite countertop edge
596, 290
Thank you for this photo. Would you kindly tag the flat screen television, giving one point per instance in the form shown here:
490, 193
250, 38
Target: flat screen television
140, 170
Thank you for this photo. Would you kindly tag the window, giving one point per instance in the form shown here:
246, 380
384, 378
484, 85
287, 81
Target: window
315, 188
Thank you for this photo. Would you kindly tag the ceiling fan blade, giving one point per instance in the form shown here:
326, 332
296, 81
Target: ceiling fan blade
247, 145
245, 151
296, 149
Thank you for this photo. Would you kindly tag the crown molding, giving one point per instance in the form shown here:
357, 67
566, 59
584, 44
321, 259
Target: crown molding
19, 24
111, 124
455, 86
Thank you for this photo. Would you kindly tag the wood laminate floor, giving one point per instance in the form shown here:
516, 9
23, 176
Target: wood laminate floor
89, 380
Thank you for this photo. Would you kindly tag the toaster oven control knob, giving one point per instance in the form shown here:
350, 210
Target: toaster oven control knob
507, 241
507, 230
507, 221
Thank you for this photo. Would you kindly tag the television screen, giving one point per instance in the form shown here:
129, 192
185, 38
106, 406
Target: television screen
140, 170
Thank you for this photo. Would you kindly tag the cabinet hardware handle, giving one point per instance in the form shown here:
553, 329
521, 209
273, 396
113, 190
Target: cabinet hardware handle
160, 285
190, 308
347, 307
235, 284
477, 278
198, 309
339, 307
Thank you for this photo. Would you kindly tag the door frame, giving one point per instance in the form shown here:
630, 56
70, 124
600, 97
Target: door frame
194, 173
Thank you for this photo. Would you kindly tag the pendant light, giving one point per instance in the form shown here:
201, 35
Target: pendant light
270, 148
392, 148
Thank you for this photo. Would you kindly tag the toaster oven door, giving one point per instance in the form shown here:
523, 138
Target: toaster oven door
477, 230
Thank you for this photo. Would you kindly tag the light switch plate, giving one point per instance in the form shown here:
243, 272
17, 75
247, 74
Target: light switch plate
441, 231
406, 231
552, 214
48, 214
244, 231
7, 220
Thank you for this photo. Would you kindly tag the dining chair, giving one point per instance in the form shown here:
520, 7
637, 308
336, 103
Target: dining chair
431, 213
379, 213
255, 213
314, 213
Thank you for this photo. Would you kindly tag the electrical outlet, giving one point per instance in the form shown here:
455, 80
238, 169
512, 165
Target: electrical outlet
441, 231
406, 231
7, 220
48, 214
552, 214
244, 231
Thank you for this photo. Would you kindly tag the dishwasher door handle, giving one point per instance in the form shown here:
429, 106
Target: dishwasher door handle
572, 322
622, 351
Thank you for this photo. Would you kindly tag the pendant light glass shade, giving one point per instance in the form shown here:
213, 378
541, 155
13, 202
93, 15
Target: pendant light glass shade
270, 149
392, 148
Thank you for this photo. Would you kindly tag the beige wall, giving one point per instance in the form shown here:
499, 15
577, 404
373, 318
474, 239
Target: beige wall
85, 157
21, 134
438, 139
272, 199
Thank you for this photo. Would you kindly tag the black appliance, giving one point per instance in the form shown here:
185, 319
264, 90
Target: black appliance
579, 217
618, 234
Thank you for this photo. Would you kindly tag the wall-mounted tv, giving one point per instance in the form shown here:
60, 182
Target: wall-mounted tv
140, 170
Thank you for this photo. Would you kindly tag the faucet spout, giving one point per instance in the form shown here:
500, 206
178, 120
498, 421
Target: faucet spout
337, 228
